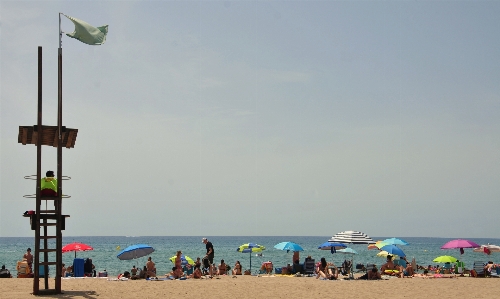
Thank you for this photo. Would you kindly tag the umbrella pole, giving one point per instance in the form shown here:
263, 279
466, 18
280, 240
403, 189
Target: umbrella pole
250, 261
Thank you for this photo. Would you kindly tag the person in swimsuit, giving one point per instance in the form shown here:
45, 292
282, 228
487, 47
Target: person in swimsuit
237, 268
222, 268
324, 271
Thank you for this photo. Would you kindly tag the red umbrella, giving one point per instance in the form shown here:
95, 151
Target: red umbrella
76, 247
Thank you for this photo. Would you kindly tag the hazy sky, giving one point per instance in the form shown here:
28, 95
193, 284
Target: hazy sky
260, 117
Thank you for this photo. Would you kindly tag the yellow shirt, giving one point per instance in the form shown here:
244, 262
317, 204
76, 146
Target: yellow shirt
49, 183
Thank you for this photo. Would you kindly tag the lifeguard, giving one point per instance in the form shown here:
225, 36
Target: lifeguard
48, 185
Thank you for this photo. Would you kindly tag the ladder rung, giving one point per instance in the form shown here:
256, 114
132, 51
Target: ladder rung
48, 224
48, 211
47, 250
49, 198
48, 237
47, 263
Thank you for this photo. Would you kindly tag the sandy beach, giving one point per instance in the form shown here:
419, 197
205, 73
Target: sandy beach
255, 287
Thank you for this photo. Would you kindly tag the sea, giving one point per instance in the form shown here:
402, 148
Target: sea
105, 250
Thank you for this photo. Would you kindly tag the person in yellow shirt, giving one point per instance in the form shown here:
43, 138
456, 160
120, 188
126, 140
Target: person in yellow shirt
49, 184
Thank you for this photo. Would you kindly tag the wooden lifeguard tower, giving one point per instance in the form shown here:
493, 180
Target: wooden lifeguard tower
48, 224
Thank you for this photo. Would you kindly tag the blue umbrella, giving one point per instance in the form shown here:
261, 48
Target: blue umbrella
250, 247
395, 241
393, 249
289, 246
135, 251
332, 246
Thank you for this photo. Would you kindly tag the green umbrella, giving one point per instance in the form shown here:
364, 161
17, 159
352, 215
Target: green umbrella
445, 259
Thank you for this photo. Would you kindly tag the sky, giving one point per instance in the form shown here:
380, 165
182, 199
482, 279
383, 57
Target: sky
259, 118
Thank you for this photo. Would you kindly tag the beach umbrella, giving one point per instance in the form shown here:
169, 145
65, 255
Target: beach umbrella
445, 259
331, 246
459, 243
351, 252
395, 241
393, 249
374, 246
488, 249
347, 251
288, 246
351, 237
135, 251
76, 247
250, 247
185, 260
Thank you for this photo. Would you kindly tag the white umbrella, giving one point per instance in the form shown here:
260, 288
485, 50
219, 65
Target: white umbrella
488, 249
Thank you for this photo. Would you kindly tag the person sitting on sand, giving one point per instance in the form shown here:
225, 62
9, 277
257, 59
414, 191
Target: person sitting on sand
151, 269
408, 271
324, 270
297, 268
198, 262
175, 274
267, 267
374, 274
222, 268
143, 273
133, 271
5, 273
237, 268
196, 272
389, 268
488, 268
63, 270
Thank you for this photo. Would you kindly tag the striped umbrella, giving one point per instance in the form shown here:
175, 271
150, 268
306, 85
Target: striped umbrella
250, 247
351, 237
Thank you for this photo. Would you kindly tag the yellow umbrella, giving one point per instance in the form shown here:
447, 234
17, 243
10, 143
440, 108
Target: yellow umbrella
384, 253
184, 260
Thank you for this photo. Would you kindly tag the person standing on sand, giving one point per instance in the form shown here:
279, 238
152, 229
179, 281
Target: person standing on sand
150, 266
29, 258
210, 254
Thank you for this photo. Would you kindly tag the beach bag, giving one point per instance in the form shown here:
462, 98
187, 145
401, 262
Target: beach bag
247, 272
473, 273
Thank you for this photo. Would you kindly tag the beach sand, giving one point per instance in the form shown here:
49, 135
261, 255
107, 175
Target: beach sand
261, 287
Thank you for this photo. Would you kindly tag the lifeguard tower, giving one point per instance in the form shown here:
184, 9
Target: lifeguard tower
47, 219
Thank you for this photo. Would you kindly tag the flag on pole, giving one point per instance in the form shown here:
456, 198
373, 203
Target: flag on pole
87, 33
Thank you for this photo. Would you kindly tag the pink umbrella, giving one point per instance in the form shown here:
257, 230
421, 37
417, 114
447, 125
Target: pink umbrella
459, 243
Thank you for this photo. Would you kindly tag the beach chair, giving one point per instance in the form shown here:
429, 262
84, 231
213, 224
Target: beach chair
446, 269
78, 267
188, 270
459, 268
478, 267
309, 267
41, 271
297, 268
